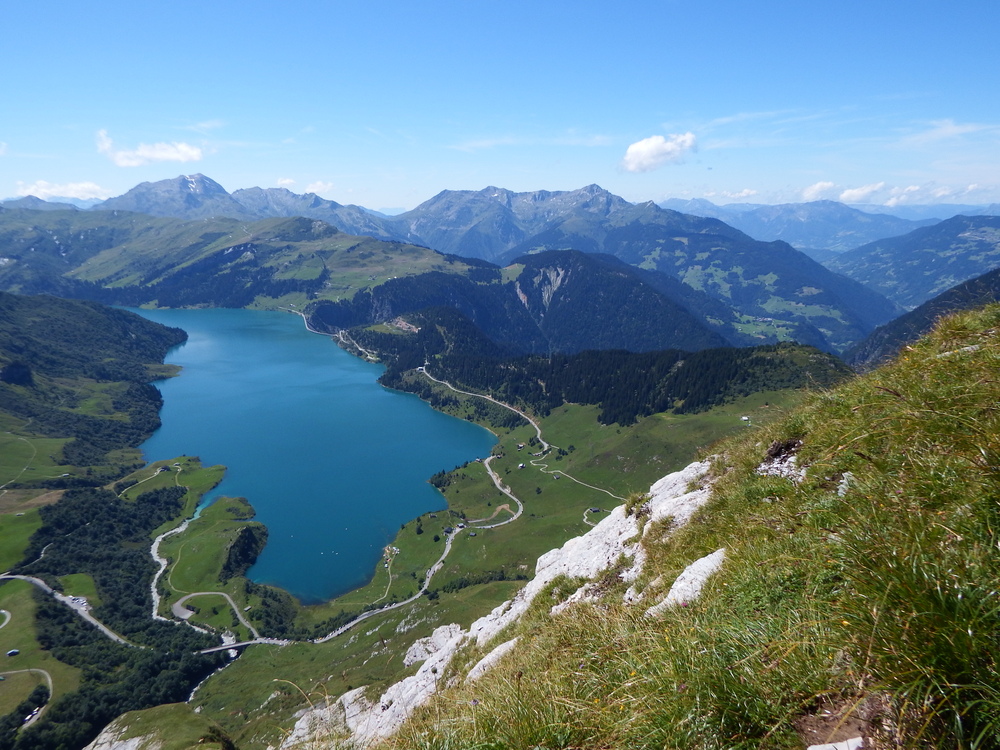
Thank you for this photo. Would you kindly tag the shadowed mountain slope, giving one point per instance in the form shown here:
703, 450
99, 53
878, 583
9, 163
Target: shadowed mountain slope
924, 263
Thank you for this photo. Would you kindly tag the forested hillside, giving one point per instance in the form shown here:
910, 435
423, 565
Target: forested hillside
917, 266
552, 302
79, 372
625, 385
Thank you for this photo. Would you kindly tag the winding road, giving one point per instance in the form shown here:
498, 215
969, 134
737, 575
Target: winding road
536, 462
76, 603
48, 678
183, 613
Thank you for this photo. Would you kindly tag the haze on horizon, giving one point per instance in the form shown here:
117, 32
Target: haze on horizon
385, 106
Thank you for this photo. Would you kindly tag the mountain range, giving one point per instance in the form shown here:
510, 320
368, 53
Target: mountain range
917, 266
824, 228
744, 290
187, 241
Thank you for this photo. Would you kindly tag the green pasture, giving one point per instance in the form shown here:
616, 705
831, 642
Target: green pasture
198, 553
19, 633
630, 459
196, 558
176, 726
26, 458
15, 531
184, 471
16, 686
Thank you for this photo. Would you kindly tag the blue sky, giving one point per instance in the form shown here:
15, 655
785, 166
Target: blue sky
385, 105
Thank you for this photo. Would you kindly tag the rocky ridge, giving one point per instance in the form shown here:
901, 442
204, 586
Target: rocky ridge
676, 496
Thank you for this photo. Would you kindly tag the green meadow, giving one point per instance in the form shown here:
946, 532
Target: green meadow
19, 633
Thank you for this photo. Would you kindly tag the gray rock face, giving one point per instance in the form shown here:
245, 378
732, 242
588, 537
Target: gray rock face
687, 588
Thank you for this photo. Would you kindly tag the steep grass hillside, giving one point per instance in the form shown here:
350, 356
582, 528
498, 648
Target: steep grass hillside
858, 596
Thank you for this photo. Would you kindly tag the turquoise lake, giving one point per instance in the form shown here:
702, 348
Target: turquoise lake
332, 462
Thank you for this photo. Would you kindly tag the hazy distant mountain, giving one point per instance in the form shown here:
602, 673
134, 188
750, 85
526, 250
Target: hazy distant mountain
823, 225
703, 207
186, 197
939, 211
37, 204
274, 202
924, 263
886, 341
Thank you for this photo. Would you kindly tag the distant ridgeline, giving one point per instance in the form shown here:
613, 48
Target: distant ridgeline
626, 385
650, 279
80, 371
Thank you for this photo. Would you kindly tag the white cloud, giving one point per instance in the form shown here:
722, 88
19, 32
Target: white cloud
320, 188
285, 182
45, 190
745, 193
655, 151
900, 195
204, 127
3, 148
146, 153
817, 190
860, 194
942, 130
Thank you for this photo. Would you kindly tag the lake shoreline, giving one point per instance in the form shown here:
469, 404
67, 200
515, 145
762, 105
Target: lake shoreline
312, 436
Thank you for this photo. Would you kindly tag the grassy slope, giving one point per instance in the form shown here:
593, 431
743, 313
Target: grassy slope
289, 249
879, 605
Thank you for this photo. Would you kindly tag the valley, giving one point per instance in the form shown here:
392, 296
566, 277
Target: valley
613, 345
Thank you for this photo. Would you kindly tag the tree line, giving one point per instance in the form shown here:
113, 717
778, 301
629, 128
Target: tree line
625, 385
